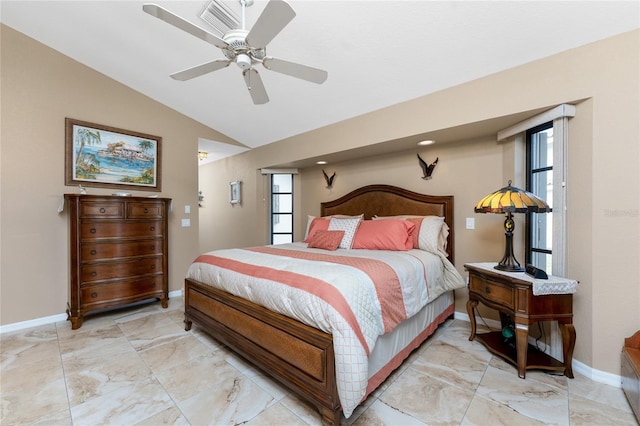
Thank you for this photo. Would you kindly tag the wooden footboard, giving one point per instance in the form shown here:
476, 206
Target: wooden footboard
298, 356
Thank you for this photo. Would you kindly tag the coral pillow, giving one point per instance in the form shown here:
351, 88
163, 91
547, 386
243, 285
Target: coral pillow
327, 240
415, 234
316, 224
431, 233
389, 234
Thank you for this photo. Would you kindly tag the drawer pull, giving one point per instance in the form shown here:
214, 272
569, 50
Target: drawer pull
146, 210
102, 210
153, 266
92, 230
94, 294
152, 247
153, 228
487, 289
94, 273
153, 285
93, 252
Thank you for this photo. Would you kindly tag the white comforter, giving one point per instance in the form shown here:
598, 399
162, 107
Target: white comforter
354, 295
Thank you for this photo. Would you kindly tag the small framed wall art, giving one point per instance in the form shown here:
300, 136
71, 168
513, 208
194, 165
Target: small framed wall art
103, 156
235, 192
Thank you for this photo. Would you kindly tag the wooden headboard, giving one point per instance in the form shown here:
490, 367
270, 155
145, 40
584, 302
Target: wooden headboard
387, 200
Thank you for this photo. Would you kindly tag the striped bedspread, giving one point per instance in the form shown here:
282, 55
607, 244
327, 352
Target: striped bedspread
354, 295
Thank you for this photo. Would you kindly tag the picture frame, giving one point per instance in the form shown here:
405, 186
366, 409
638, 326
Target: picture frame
108, 157
235, 192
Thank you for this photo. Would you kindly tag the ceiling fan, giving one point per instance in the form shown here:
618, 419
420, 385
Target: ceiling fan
245, 48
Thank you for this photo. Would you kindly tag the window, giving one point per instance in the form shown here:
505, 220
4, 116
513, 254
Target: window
281, 208
547, 138
550, 129
539, 228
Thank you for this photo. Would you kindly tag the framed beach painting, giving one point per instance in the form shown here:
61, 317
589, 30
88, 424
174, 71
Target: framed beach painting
104, 156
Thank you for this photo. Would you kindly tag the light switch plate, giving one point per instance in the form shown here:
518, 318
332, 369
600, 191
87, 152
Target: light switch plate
187, 209
471, 223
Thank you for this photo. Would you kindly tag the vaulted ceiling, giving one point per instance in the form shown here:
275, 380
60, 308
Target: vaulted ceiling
376, 53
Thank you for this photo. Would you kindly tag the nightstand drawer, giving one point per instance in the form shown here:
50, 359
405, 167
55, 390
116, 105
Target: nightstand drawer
491, 291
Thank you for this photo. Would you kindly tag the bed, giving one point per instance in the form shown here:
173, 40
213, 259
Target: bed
307, 354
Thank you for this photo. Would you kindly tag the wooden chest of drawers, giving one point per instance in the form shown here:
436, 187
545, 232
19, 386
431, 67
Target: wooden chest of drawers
118, 252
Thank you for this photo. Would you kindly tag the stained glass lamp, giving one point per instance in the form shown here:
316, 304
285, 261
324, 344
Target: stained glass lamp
511, 200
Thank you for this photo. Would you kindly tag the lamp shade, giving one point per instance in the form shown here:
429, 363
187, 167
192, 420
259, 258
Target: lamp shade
511, 199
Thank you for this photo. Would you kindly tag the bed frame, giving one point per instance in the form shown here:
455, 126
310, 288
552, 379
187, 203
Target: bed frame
297, 355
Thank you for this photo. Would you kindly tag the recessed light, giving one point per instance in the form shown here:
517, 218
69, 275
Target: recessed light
426, 142
321, 162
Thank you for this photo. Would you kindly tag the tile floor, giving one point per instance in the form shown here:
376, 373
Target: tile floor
139, 367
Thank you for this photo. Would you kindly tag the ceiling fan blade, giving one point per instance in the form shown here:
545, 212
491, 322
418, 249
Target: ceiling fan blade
275, 16
255, 86
176, 21
199, 70
314, 75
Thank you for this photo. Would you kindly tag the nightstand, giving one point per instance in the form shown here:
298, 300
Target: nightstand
525, 300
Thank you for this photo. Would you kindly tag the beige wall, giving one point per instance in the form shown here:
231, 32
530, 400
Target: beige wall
604, 157
40, 87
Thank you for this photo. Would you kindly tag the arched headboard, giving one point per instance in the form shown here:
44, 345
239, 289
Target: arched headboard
387, 200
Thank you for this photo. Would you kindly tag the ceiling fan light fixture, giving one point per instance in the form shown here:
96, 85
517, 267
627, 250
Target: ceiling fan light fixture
243, 61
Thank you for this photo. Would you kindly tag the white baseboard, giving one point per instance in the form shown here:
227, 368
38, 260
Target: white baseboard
32, 323
52, 319
577, 366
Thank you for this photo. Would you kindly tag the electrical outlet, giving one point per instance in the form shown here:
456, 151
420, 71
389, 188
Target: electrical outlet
186, 223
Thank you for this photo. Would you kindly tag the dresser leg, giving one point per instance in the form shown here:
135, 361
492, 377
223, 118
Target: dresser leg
522, 336
471, 305
76, 322
568, 332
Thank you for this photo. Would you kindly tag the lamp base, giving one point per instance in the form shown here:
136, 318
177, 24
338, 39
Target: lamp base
509, 268
509, 262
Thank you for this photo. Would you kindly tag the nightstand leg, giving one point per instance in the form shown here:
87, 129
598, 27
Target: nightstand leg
522, 336
471, 304
568, 332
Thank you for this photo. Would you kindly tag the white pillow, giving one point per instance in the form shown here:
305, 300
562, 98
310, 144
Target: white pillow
433, 234
310, 219
349, 226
